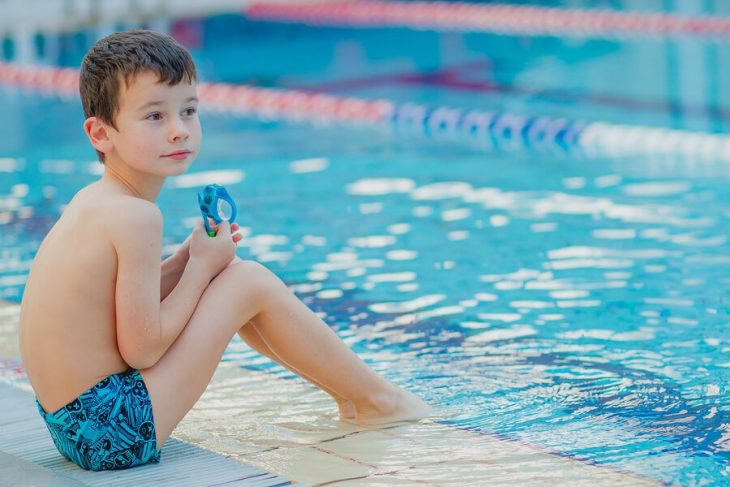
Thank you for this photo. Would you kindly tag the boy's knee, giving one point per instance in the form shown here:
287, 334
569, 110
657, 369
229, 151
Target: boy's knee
249, 268
236, 259
255, 279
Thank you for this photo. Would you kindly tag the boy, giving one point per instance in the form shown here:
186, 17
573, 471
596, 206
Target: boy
118, 348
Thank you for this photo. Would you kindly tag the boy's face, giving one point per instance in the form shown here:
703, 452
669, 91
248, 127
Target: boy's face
155, 123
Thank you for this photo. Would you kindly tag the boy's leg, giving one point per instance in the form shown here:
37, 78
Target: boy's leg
292, 331
250, 334
178, 379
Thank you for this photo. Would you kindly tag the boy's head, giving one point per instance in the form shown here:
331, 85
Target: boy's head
118, 58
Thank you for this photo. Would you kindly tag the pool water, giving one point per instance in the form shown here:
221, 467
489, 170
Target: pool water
580, 305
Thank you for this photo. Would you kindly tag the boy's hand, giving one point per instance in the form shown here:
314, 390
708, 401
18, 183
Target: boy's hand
213, 253
183, 252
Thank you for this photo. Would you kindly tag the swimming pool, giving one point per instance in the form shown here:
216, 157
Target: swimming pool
577, 304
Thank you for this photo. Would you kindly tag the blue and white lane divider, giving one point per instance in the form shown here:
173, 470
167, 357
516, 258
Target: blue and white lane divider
614, 140
493, 129
498, 129
593, 139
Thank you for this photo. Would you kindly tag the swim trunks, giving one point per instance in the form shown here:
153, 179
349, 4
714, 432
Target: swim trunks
108, 427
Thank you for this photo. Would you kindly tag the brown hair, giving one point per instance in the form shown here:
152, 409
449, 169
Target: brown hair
120, 56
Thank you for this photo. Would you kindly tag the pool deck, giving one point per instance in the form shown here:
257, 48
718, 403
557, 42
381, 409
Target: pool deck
246, 429
28, 457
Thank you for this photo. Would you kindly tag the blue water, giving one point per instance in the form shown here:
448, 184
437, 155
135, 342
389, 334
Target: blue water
576, 304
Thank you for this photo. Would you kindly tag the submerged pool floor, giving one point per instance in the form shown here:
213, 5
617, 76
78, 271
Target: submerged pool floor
248, 422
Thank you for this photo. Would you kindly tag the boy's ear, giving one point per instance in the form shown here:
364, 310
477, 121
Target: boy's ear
98, 134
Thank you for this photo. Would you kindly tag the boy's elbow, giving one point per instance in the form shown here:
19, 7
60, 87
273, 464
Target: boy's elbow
140, 357
139, 361
142, 362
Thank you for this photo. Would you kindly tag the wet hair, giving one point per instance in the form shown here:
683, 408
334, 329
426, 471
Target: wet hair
118, 58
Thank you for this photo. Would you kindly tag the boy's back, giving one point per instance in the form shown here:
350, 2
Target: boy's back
68, 335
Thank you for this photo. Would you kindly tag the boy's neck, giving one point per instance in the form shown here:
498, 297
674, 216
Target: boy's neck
137, 184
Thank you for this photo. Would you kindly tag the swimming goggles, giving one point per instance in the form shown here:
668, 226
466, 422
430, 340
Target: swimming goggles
215, 203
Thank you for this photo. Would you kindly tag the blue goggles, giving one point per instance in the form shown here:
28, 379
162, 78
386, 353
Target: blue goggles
215, 203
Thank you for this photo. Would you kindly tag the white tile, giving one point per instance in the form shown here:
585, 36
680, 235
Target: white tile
307, 465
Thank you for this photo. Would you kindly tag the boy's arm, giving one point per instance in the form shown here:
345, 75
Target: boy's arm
172, 268
146, 327
171, 271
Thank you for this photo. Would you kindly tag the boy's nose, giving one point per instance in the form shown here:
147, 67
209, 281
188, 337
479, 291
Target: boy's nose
178, 131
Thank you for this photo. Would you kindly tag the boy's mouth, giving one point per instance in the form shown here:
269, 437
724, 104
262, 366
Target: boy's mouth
182, 154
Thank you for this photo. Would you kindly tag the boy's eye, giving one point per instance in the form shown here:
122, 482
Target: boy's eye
190, 111
154, 116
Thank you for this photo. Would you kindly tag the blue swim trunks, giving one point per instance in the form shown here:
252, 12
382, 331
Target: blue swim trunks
108, 427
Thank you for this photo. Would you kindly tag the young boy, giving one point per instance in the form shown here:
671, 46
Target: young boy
119, 347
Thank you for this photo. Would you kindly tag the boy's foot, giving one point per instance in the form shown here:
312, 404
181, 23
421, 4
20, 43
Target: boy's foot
347, 411
396, 406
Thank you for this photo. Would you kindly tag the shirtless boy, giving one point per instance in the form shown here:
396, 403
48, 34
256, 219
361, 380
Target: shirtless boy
117, 346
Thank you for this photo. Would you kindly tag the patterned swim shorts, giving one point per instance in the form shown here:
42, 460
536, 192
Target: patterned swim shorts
108, 427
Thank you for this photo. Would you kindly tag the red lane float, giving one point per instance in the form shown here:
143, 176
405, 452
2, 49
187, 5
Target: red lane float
58, 80
263, 102
296, 105
470, 17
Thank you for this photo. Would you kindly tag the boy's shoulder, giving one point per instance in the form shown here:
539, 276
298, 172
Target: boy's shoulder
131, 214
123, 216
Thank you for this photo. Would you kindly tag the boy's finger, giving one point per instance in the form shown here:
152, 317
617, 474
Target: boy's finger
224, 228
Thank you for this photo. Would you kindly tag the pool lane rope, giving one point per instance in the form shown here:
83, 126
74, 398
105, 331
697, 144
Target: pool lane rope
494, 129
492, 18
